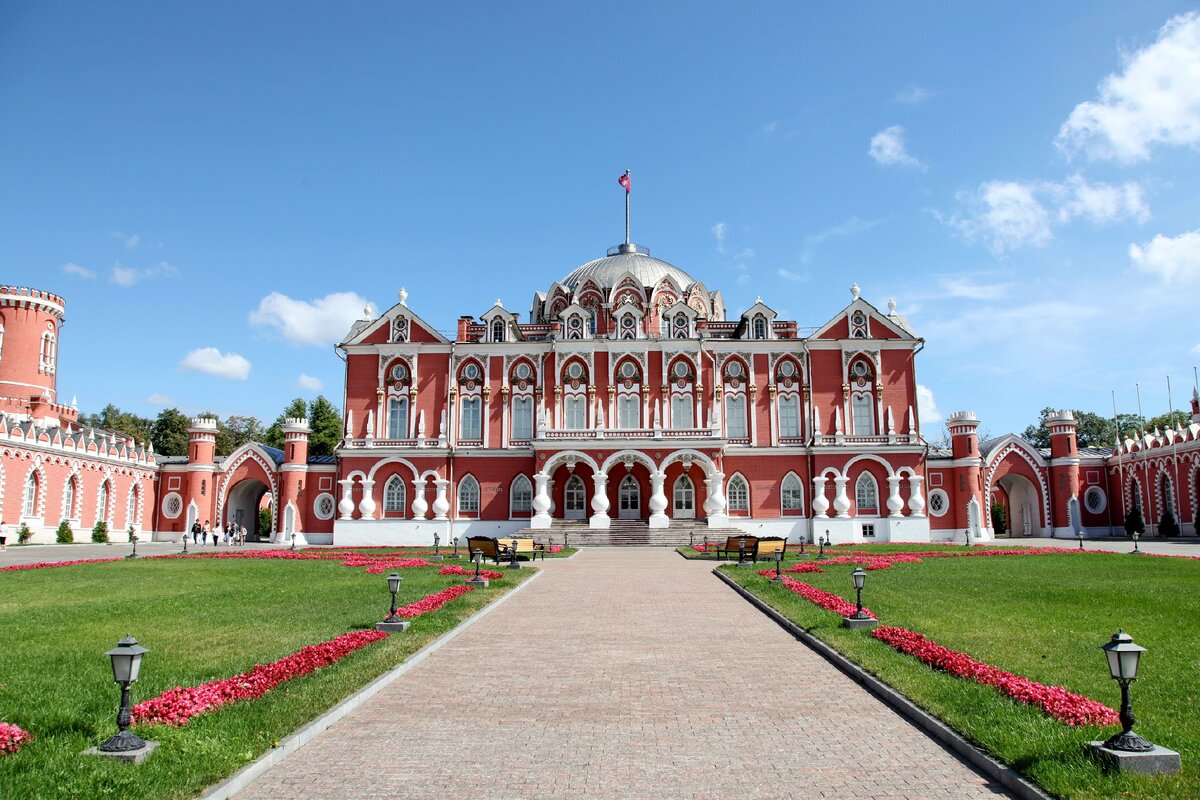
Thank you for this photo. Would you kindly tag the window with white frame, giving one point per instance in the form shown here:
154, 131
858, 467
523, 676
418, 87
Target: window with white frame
681, 411
792, 493
497, 330
522, 418
521, 495
69, 492
470, 423
939, 502
468, 496
29, 502
737, 494
681, 327
629, 411
789, 415
863, 414
1168, 494
575, 407
397, 418
868, 530
735, 416
628, 329
102, 503
400, 329
866, 495
131, 507
394, 495
684, 494
760, 327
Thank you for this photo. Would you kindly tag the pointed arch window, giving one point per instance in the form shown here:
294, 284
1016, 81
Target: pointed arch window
470, 424
497, 330
738, 494
789, 415
131, 506
521, 495
394, 495
1168, 494
681, 328
29, 502
628, 327
397, 418
866, 495
468, 496
69, 493
102, 503
792, 499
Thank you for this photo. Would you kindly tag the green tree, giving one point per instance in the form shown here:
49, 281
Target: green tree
1168, 420
235, 431
100, 532
1091, 429
326, 422
264, 523
170, 433
112, 418
273, 436
999, 518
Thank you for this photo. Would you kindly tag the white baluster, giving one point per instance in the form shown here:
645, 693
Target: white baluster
541, 502
600, 503
841, 501
820, 503
420, 506
916, 501
366, 506
346, 504
658, 501
894, 504
441, 503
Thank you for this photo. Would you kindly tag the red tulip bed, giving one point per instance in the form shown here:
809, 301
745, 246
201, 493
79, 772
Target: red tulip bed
826, 600
12, 737
44, 564
1066, 707
455, 569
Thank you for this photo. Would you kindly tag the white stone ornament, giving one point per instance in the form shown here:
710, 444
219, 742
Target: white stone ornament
854, 290
403, 295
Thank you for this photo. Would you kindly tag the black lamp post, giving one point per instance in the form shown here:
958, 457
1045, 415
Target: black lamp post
185, 538
742, 551
133, 554
512, 550
778, 566
126, 660
394, 581
454, 555
564, 539
802, 540
1136, 552
859, 576
967, 533
1123, 656
1079, 533
477, 579
821, 549
293, 541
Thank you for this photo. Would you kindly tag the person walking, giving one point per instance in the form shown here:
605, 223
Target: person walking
195, 531
204, 535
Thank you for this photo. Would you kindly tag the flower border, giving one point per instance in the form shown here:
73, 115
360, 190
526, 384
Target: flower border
13, 738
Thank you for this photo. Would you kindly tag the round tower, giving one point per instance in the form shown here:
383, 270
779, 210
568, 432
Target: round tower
30, 320
293, 472
202, 445
970, 510
295, 437
1064, 471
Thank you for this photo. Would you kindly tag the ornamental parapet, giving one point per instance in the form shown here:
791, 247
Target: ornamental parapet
28, 297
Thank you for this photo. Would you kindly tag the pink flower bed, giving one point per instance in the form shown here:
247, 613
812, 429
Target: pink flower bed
434, 601
804, 566
12, 738
177, 706
1066, 707
44, 564
827, 601
455, 569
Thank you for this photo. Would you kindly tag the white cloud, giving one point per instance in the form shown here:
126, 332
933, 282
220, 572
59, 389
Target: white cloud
794, 277
131, 240
927, 409
1008, 215
211, 361
747, 252
1155, 100
718, 231
309, 382
157, 399
1171, 259
851, 227
962, 287
887, 148
1196, 349
128, 276
320, 322
71, 268
912, 95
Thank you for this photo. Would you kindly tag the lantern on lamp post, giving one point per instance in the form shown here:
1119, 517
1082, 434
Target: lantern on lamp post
393, 622
126, 660
860, 618
778, 565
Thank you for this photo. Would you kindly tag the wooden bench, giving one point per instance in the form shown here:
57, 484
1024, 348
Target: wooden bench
489, 547
524, 547
748, 545
767, 547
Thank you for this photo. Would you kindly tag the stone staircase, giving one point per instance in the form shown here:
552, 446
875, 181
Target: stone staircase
629, 533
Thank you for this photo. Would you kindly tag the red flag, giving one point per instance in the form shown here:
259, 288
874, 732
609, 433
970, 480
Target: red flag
624, 181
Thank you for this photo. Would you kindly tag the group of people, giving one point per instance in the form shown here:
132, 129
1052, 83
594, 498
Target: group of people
231, 534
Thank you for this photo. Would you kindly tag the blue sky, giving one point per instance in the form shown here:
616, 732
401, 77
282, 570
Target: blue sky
205, 181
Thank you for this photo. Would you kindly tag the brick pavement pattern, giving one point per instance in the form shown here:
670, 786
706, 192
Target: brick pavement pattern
612, 676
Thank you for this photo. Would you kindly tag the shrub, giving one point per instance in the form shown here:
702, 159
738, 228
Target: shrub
999, 518
24, 534
1167, 526
1134, 522
264, 523
131, 533
100, 532
64, 534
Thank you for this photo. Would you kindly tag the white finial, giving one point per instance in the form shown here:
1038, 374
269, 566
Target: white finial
758, 299
891, 305
74, 401
854, 290
403, 295
498, 303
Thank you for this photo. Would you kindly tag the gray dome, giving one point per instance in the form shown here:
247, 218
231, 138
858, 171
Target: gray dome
625, 258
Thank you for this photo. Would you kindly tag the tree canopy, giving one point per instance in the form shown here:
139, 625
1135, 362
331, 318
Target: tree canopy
1095, 430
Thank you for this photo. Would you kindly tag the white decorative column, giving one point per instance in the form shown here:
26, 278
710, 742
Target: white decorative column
366, 506
894, 504
441, 503
841, 502
717, 518
600, 502
916, 501
820, 503
420, 506
346, 504
658, 501
541, 502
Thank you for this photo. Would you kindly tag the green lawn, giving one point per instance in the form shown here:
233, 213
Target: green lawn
202, 619
1041, 617
793, 551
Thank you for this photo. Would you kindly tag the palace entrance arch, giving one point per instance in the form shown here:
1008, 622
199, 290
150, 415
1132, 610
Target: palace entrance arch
242, 505
1023, 504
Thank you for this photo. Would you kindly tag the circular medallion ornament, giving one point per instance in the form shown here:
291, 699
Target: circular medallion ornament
399, 372
787, 369
862, 382
523, 372
522, 385
470, 385
575, 370
787, 383
574, 383
471, 372
628, 384
681, 383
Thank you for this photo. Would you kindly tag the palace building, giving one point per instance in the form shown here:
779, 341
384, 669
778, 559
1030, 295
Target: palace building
629, 400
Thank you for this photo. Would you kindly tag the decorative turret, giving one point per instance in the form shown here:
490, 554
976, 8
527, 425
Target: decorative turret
202, 436
1063, 442
30, 320
295, 437
963, 426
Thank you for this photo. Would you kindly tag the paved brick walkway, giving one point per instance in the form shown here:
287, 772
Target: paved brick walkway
609, 678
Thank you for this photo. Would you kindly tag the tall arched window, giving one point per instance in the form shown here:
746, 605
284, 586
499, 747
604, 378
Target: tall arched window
131, 507
789, 415
866, 495
1167, 493
397, 419
863, 414
1, 339
521, 496
522, 418
735, 416
760, 328
681, 328
102, 503
792, 494
468, 496
737, 494
470, 424
394, 496
497, 330
29, 503
69, 493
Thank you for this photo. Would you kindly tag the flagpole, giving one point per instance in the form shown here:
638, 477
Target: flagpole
627, 193
1141, 419
1174, 454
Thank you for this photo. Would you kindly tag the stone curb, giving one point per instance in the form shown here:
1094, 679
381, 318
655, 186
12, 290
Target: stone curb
1003, 774
247, 774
